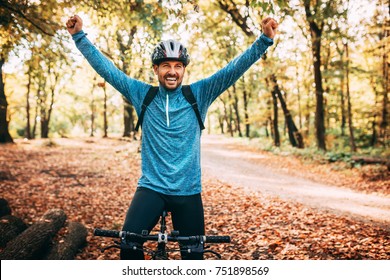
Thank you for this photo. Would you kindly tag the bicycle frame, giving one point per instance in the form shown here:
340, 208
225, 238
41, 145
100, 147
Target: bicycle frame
161, 253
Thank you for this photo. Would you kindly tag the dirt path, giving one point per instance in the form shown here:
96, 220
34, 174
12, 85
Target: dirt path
244, 169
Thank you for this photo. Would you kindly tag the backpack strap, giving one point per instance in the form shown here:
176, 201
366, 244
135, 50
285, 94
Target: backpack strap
152, 92
189, 96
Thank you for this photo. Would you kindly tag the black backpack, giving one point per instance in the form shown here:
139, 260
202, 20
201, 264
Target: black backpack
188, 95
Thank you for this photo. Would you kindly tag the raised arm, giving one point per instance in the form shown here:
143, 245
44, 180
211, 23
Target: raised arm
132, 89
216, 84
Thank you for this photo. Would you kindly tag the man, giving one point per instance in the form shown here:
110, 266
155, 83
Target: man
171, 172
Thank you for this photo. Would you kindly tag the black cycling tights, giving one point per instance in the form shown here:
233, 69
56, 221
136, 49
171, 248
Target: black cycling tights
146, 208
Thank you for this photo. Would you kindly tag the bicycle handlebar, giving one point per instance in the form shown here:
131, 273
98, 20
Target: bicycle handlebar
107, 233
155, 237
217, 239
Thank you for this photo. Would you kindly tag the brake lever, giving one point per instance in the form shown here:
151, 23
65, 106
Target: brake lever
191, 250
116, 245
214, 253
109, 247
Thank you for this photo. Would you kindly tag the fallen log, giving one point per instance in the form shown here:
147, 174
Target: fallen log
10, 228
32, 243
67, 247
371, 160
4, 207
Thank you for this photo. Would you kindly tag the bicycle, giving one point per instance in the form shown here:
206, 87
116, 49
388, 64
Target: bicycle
190, 244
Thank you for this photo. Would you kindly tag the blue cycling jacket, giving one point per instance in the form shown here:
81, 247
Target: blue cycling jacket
170, 131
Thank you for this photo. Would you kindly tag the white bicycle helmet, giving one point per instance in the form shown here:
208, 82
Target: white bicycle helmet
170, 50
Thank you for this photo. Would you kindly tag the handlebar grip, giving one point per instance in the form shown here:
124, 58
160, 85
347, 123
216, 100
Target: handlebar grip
217, 239
106, 233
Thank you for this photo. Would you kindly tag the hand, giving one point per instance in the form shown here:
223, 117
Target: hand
74, 24
269, 26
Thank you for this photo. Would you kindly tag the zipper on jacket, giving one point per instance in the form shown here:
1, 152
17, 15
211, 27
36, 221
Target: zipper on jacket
166, 110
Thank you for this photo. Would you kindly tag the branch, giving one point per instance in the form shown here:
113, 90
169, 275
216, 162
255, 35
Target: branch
18, 11
241, 21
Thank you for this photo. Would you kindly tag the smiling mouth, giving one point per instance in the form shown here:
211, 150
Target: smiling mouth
171, 79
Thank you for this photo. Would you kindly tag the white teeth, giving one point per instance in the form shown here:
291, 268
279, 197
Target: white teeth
171, 79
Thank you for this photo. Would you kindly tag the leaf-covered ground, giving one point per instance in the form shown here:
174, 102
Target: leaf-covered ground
93, 181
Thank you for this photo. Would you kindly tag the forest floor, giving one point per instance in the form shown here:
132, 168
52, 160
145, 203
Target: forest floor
93, 181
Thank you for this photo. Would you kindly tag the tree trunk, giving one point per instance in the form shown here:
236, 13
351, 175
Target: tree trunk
27, 133
46, 112
44, 128
32, 243
374, 136
128, 118
128, 109
266, 128
349, 105
221, 123
230, 116
50, 110
342, 104
316, 33
67, 247
34, 129
294, 135
105, 122
342, 95
275, 125
41, 99
246, 97
268, 120
93, 109
319, 114
5, 137
225, 116
384, 133
10, 227
299, 98
236, 110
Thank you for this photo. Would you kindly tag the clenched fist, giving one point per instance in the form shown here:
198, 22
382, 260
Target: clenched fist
269, 26
74, 24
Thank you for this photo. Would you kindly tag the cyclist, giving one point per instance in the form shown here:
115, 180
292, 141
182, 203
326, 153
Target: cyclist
171, 171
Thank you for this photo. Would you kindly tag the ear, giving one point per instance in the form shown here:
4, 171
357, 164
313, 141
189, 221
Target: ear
155, 69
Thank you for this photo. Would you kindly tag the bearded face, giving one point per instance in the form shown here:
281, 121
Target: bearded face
170, 74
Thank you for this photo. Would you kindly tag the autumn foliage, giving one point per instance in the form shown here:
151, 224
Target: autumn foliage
93, 181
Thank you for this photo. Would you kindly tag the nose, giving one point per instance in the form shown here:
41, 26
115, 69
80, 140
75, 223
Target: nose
171, 70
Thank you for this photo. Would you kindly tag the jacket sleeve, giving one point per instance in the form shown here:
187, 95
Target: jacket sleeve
132, 89
210, 88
